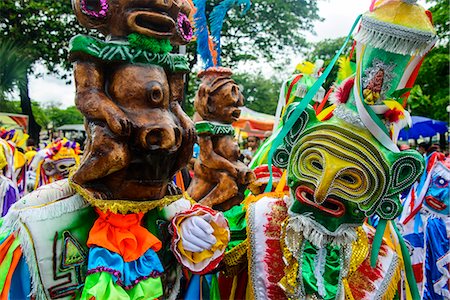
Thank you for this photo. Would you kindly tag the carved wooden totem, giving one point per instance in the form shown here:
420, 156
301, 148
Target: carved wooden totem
220, 178
128, 88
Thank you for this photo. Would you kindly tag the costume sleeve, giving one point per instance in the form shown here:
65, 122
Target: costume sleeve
207, 260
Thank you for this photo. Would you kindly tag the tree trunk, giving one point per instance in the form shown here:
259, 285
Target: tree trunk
25, 104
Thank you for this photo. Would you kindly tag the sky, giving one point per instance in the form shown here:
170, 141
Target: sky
338, 16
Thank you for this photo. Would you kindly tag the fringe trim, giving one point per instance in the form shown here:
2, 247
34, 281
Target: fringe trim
394, 38
26, 244
14, 222
319, 270
176, 288
317, 235
392, 288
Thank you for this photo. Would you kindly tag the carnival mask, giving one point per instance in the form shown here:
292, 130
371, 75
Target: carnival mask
339, 174
437, 198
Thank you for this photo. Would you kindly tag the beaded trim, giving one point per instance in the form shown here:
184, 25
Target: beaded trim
235, 258
123, 206
348, 115
394, 38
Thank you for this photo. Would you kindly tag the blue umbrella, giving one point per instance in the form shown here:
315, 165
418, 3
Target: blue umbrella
423, 127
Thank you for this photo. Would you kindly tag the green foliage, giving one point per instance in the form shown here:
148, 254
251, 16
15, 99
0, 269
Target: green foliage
440, 11
13, 67
434, 76
260, 93
43, 27
326, 50
60, 117
45, 115
267, 31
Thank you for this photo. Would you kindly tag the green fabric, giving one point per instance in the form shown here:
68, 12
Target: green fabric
3, 235
331, 272
6, 262
408, 266
381, 227
140, 41
238, 225
101, 286
115, 51
205, 127
150, 288
214, 292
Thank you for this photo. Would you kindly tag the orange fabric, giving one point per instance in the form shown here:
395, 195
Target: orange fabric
4, 247
17, 254
180, 182
122, 234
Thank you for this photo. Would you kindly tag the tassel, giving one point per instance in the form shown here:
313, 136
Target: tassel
376, 245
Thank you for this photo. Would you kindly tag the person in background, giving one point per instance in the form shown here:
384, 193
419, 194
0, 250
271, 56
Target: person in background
423, 148
252, 146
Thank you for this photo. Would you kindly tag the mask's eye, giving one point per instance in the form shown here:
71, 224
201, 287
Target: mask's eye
348, 178
441, 182
316, 164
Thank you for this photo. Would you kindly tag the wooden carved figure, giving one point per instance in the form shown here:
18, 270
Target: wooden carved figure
129, 88
220, 178
118, 228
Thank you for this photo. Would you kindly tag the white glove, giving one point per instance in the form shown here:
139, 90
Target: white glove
197, 234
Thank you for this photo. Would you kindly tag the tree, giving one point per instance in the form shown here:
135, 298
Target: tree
260, 93
60, 117
44, 29
434, 76
13, 68
326, 50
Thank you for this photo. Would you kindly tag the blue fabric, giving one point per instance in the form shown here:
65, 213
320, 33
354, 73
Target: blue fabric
196, 152
193, 290
415, 239
129, 271
20, 282
437, 245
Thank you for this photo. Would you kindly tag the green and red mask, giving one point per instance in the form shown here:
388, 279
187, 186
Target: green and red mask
339, 174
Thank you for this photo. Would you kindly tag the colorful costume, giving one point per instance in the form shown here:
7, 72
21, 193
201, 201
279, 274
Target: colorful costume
53, 163
116, 228
425, 226
311, 243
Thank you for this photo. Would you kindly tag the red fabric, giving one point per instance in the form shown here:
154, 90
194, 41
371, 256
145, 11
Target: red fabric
418, 272
393, 115
291, 86
17, 254
122, 234
225, 285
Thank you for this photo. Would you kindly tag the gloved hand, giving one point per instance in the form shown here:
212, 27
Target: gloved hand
197, 233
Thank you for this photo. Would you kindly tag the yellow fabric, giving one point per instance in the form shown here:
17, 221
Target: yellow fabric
29, 155
220, 233
305, 67
22, 141
3, 162
233, 288
403, 14
19, 160
325, 112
